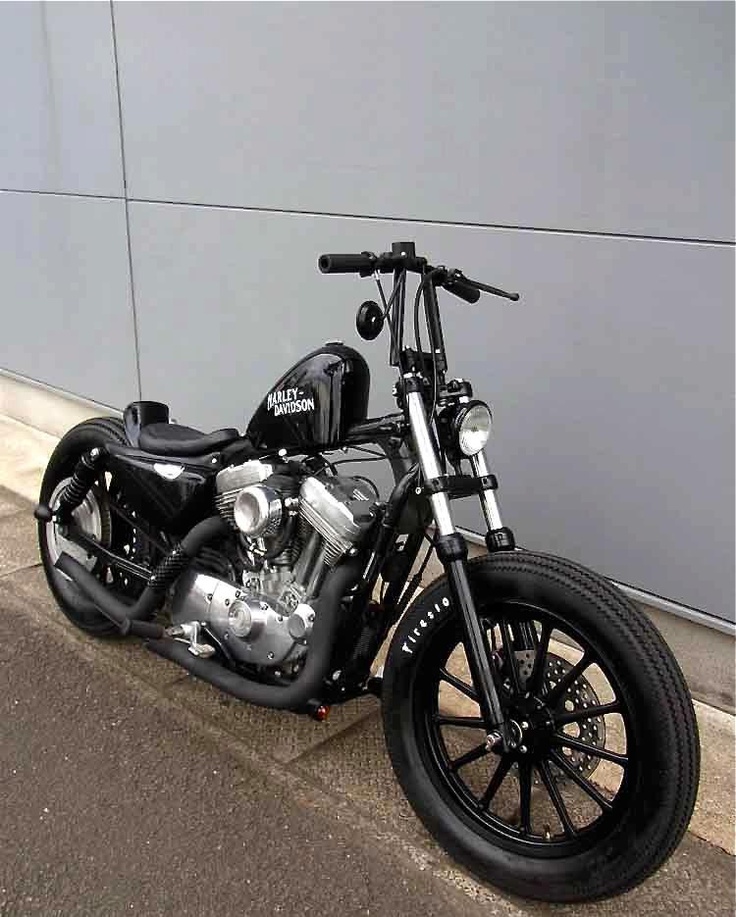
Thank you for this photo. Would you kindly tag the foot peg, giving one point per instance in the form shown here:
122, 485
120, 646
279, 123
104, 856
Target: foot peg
201, 650
43, 513
190, 633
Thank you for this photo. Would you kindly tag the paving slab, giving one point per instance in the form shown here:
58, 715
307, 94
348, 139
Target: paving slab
24, 454
356, 764
714, 818
11, 503
277, 734
18, 547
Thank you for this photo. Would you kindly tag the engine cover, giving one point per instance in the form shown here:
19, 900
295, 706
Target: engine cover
246, 623
341, 509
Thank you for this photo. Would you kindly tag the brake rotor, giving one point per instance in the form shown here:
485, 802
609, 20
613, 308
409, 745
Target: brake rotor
580, 695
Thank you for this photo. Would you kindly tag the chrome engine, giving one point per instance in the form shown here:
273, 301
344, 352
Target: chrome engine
291, 530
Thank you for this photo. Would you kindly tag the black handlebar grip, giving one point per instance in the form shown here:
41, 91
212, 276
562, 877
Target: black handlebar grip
361, 263
462, 287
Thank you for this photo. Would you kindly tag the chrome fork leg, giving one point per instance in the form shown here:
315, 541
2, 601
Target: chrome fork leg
488, 501
452, 551
498, 537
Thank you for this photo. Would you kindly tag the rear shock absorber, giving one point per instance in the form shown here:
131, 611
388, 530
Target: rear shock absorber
87, 469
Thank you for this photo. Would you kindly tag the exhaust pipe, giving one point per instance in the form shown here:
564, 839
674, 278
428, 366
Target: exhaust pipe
124, 616
300, 695
130, 619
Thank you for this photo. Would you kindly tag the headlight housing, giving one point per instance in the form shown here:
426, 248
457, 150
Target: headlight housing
473, 427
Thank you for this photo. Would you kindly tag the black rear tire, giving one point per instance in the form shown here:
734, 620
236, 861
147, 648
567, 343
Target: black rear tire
638, 796
79, 440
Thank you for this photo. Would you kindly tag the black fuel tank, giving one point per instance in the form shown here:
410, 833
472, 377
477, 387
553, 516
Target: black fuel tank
313, 404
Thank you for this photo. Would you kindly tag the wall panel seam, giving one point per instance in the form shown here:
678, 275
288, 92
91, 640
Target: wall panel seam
419, 221
126, 206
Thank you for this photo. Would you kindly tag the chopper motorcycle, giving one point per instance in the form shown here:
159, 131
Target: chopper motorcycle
534, 717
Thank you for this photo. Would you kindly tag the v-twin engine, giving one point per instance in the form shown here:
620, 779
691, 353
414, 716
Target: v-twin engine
291, 530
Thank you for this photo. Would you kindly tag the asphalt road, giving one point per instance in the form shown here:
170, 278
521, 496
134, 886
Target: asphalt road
113, 806
128, 787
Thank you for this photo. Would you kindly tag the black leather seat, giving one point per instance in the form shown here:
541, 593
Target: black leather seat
173, 439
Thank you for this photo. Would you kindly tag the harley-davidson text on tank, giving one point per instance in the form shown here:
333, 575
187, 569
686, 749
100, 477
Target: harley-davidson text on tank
289, 401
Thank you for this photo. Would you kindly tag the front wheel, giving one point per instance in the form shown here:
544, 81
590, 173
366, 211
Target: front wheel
602, 782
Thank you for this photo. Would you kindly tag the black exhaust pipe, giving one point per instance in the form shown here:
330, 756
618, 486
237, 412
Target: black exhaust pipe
297, 696
306, 687
131, 618
125, 616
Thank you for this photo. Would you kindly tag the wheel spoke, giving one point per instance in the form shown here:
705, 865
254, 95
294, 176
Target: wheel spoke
603, 753
580, 781
459, 684
510, 655
467, 722
497, 779
574, 716
568, 679
534, 682
557, 801
525, 796
478, 752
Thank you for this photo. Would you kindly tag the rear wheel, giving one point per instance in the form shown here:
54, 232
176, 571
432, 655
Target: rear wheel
602, 782
102, 516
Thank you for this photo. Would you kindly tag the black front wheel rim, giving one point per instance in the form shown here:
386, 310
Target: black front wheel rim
568, 782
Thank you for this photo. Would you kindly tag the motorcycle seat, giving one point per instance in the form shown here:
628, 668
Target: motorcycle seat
174, 439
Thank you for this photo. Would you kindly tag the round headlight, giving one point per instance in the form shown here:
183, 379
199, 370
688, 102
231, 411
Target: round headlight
474, 428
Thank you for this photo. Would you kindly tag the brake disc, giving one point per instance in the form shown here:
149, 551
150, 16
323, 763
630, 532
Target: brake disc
580, 695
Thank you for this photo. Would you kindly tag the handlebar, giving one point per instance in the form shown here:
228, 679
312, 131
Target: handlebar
366, 263
460, 286
361, 263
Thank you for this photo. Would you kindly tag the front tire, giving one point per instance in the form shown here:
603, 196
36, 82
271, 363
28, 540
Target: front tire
602, 784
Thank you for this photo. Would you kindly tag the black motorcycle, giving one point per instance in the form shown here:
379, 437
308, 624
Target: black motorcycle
536, 720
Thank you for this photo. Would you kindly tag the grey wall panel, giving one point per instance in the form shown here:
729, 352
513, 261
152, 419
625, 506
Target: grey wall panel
65, 295
667, 119
613, 117
612, 380
59, 129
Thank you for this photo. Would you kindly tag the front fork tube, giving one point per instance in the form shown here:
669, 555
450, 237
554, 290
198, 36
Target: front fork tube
498, 536
452, 551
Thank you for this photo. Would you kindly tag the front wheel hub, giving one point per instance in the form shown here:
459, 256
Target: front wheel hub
531, 726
